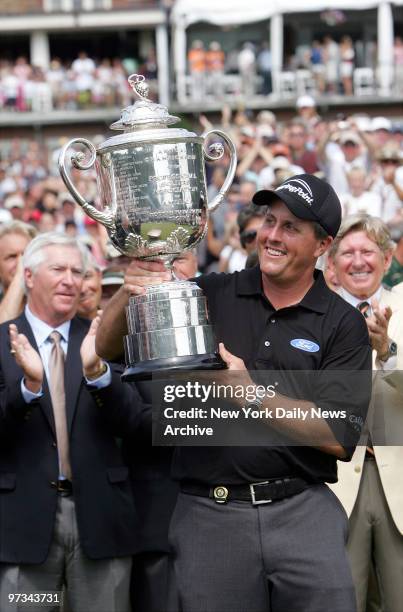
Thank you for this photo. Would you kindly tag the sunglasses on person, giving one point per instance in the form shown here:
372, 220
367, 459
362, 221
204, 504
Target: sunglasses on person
395, 162
247, 237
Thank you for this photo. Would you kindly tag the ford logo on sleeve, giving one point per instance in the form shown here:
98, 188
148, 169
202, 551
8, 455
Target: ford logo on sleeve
305, 345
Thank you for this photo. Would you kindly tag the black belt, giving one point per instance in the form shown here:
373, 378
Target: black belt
256, 493
64, 487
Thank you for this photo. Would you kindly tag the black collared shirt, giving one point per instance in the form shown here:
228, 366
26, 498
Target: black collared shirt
269, 339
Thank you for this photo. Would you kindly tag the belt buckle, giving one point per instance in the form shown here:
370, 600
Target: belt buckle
64, 488
253, 494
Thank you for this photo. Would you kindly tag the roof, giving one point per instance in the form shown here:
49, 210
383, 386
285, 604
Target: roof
227, 12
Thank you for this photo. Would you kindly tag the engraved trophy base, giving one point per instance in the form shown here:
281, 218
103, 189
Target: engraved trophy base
169, 330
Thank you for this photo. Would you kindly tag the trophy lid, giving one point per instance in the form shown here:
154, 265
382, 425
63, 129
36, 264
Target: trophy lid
143, 113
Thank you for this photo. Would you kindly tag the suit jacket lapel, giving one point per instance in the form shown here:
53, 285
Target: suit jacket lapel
73, 373
45, 401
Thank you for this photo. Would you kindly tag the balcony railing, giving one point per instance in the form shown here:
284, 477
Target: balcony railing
286, 86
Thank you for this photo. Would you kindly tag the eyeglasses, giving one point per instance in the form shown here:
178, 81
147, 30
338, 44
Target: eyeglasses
389, 161
297, 134
247, 237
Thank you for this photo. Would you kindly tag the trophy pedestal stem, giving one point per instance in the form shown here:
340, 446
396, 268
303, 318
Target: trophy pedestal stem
146, 369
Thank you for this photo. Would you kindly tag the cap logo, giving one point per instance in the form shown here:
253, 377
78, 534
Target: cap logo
301, 189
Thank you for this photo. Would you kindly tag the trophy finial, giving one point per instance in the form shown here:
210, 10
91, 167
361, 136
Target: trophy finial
139, 85
144, 112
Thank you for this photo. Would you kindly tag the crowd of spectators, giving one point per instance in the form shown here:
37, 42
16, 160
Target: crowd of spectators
360, 156
83, 83
324, 67
33, 199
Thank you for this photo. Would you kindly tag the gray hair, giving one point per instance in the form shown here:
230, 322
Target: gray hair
34, 254
374, 227
18, 227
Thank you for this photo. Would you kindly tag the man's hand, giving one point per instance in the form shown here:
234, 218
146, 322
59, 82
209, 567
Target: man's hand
139, 274
27, 358
93, 366
378, 324
235, 375
233, 362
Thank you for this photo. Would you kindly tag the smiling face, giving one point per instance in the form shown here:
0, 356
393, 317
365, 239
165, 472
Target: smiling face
55, 286
91, 291
288, 247
360, 264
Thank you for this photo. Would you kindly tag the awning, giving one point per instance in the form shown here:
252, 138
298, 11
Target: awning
233, 12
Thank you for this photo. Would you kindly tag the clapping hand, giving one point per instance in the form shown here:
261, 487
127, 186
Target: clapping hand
93, 365
27, 358
378, 324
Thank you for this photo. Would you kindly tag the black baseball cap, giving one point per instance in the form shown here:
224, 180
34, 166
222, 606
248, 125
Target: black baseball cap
307, 197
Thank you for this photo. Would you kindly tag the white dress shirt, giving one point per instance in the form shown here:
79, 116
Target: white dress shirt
42, 331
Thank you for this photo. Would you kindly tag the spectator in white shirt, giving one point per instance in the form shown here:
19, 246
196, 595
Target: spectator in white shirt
359, 199
389, 185
341, 152
84, 71
247, 68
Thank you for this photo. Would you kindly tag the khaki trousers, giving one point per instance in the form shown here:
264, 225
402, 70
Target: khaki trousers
373, 535
88, 585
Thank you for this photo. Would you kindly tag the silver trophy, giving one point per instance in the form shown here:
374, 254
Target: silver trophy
153, 203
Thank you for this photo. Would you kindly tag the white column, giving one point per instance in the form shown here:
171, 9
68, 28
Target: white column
180, 59
276, 47
146, 42
385, 48
39, 50
161, 38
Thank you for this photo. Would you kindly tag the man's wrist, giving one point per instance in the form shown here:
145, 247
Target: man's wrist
388, 351
255, 401
95, 372
34, 386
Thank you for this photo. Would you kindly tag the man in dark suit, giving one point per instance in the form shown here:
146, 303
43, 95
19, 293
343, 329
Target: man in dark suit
153, 586
67, 516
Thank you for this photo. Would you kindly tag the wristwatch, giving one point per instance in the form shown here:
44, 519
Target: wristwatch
391, 352
255, 404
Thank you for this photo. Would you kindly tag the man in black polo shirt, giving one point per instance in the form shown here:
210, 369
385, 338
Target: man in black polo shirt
285, 553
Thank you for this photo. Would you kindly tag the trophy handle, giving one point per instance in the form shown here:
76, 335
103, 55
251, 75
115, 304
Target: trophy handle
215, 152
78, 160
